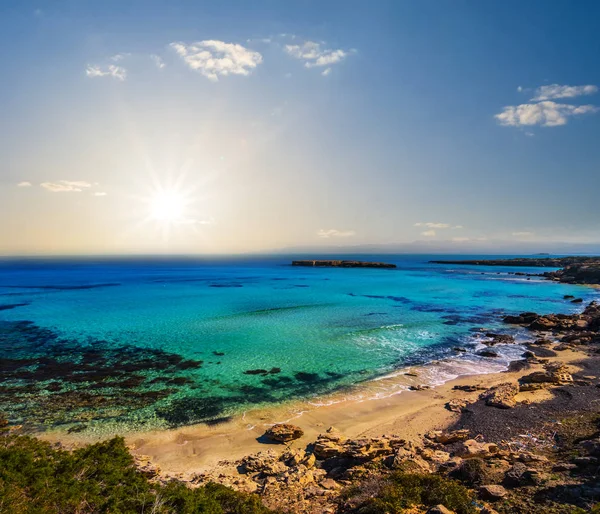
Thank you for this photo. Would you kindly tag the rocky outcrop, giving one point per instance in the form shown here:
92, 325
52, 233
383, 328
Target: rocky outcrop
342, 264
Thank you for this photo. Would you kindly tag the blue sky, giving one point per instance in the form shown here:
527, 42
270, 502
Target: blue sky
145, 126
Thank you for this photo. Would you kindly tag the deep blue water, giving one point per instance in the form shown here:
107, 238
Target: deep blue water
166, 342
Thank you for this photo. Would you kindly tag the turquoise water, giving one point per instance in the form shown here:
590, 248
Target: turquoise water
174, 342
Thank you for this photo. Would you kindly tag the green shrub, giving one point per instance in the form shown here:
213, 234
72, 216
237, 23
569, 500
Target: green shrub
405, 490
100, 478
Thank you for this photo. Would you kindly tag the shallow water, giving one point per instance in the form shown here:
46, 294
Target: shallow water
172, 342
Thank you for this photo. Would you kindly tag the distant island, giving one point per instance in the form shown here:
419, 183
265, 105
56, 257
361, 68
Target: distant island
342, 264
575, 270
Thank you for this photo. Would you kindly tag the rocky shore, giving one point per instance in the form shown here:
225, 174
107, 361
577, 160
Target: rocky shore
342, 264
529, 443
574, 270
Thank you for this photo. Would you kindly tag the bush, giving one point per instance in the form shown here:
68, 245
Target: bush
405, 490
100, 478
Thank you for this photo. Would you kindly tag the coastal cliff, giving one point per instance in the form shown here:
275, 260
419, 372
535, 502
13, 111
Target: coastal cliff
316, 263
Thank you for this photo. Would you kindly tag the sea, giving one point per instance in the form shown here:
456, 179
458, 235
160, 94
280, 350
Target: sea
140, 343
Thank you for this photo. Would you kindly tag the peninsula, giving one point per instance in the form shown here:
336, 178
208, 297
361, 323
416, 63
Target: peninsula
574, 270
342, 264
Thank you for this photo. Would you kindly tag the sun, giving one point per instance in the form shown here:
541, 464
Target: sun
167, 206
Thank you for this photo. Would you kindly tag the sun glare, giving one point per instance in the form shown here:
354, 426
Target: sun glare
167, 206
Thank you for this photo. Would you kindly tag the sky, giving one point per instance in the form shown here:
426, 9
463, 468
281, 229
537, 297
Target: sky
136, 127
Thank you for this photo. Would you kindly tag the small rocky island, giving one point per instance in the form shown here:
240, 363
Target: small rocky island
574, 270
342, 264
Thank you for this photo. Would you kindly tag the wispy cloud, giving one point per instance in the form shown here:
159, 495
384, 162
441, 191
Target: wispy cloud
66, 186
326, 72
119, 57
555, 91
24, 184
216, 58
99, 193
335, 233
428, 233
546, 114
314, 54
429, 224
158, 61
523, 234
112, 70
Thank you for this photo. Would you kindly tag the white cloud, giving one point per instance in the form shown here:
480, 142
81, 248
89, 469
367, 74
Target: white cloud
24, 184
117, 72
313, 54
520, 89
160, 64
335, 233
428, 233
523, 234
460, 239
119, 57
99, 193
217, 58
529, 134
432, 225
546, 114
326, 72
556, 91
288, 75
66, 186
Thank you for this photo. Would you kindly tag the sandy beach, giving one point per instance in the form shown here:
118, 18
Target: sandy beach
407, 414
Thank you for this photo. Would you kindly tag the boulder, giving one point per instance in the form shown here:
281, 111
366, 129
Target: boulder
502, 396
284, 432
454, 436
457, 405
487, 353
492, 492
471, 449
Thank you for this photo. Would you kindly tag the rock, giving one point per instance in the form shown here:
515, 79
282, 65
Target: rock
577, 300
293, 457
459, 349
492, 492
419, 387
514, 476
591, 446
542, 323
502, 396
440, 509
457, 405
468, 388
409, 462
473, 472
284, 432
499, 338
487, 353
471, 449
330, 484
448, 437
266, 463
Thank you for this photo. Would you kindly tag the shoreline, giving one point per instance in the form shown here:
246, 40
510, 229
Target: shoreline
406, 413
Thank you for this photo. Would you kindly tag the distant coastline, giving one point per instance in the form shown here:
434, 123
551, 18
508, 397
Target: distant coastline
317, 263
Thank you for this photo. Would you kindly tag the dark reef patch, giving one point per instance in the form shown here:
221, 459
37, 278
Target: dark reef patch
46, 379
10, 306
66, 288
